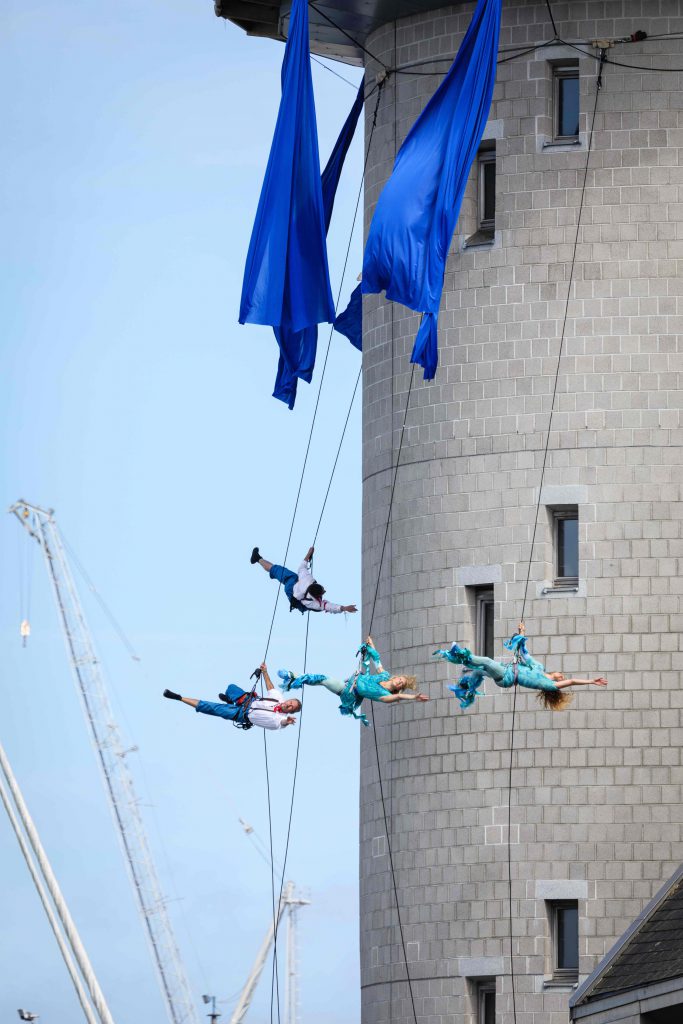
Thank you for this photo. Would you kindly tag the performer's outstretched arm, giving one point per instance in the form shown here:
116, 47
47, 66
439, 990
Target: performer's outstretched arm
391, 698
562, 684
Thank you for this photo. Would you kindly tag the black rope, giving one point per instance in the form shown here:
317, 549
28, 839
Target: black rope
552, 18
598, 87
512, 747
372, 709
333, 72
274, 975
274, 980
407, 69
351, 38
296, 770
336, 458
621, 64
322, 375
334, 467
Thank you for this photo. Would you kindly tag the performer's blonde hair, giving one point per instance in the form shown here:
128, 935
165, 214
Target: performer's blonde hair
554, 700
409, 683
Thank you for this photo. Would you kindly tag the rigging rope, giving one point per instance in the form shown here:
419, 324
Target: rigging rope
355, 42
372, 709
275, 977
552, 18
598, 87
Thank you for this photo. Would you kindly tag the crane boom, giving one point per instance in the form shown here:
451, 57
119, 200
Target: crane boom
46, 887
288, 901
118, 781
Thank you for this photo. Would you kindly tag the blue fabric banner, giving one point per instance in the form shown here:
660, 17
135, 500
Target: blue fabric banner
411, 231
305, 342
286, 278
350, 322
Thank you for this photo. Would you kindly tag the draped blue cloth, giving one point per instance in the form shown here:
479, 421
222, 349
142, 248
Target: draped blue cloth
411, 231
350, 322
286, 278
302, 345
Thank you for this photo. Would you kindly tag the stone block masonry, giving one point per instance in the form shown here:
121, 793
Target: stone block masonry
597, 791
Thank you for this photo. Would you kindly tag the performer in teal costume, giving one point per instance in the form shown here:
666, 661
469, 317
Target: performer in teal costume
369, 682
523, 671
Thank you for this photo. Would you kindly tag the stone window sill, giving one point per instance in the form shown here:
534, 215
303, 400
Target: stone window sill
562, 145
482, 239
561, 588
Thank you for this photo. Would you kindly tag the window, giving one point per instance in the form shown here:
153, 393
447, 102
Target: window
486, 196
486, 1001
565, 939
566, 544
487, 189
566, 102
485, 621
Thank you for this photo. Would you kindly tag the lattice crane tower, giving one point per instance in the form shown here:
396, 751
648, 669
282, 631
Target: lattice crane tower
110, 749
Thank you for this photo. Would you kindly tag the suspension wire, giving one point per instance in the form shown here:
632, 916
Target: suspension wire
274, 980
296, 769
407, 69
333, 72
522, 51
372, 710
598, 87
327, 353
118, 628
334, 467
552, 18
355, 42
620, 63
336, 458
275, 977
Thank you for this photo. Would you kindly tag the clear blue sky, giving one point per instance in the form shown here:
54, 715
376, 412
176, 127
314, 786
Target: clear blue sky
133, 148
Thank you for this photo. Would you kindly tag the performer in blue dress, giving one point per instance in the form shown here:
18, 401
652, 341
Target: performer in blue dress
369, 682
522, 671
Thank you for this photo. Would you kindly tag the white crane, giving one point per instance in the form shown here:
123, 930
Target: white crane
289, 903
80, 970
104, 731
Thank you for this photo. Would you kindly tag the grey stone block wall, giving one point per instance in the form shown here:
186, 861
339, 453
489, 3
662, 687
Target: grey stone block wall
597, 798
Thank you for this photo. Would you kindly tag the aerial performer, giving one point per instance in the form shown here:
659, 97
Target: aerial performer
369, 681
245, 708
304, 593
522, 671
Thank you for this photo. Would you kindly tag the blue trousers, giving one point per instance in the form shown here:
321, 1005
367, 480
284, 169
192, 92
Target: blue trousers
286, 577
229, 711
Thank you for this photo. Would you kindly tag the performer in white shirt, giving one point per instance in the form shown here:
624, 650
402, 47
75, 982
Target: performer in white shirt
304, 593
246, 709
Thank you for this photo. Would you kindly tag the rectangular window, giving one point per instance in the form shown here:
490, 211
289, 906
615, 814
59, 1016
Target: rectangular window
486, 1001
566, 544
566, 102
487, 188
485, 621
565, 939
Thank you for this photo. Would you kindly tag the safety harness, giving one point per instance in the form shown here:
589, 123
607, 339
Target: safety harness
244, 703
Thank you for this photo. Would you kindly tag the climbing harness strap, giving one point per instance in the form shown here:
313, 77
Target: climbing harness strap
244, 704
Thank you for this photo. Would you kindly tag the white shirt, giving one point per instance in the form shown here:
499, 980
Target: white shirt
302, 585
261, 711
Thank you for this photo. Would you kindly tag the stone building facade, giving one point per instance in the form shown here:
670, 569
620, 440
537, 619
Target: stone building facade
597, 790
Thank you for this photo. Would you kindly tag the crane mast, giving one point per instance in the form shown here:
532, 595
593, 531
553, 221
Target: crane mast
118, 781
65, 932
289, 902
